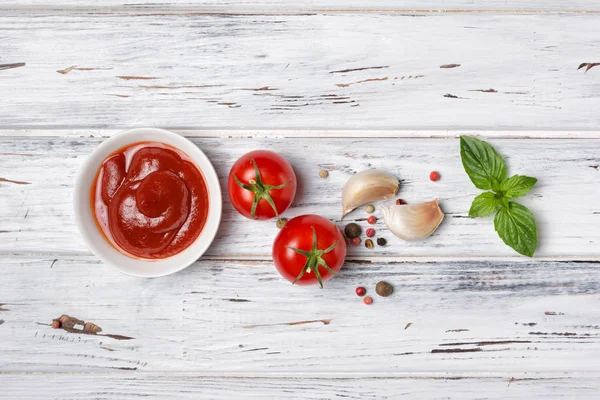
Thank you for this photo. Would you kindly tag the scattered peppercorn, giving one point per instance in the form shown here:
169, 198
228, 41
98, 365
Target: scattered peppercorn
352, 230
360, 291
371, 219
384, 289
381, 241
368, 300
400, 202
355, 241
56, 324
281, 222
434, 176
369, 244
370, 209
370, 232
323, 174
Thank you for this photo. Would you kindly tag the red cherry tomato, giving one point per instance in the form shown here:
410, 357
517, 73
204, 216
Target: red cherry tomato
309, 249
261, 184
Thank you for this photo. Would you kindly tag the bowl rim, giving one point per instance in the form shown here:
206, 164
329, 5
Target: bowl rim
95, 240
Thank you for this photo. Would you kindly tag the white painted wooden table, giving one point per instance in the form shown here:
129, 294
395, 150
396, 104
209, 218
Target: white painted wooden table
340, 85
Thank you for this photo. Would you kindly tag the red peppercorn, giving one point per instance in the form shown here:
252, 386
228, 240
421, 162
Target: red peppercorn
355, 241
434, 176
360, 291
401, 202
370, 232
368, 300
371, 219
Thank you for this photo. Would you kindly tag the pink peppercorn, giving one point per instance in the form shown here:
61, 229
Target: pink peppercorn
360, 291
434, 176
355, 241
370, 232
371, 219
368, 300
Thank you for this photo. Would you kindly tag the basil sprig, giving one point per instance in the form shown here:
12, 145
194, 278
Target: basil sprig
514, 222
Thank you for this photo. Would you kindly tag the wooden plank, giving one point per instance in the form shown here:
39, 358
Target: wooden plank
189, 69
83, 132
177, 386
329, 5
230, 317
38, 216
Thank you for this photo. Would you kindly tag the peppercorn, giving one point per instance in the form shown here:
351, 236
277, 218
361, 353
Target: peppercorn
360, 291
370, 232
367, 300
400, 202
56, 324
352, 230
323, 174
281, 222
369, 244
384, 289
381, 241
434, 176
370, 209
355, 241
371, 219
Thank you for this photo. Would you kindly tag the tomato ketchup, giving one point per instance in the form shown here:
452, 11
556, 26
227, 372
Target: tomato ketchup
150, 200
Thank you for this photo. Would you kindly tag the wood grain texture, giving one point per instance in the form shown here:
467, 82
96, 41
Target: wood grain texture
177, 386
331, 5
83, 132
341, 85
38, 216
234, 317
193, 69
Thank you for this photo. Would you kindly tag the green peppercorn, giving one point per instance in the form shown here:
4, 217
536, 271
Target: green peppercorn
381, 241
352, 230
384, 289
369, 244
370, 209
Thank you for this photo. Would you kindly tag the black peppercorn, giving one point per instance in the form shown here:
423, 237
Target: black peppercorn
381, 241
352, 230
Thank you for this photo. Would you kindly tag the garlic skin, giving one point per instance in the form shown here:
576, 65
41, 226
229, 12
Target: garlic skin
413, 222
367, 186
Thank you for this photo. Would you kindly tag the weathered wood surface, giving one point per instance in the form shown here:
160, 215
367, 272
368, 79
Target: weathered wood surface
329, 87
37, 214
192, 69
330, 5
169, 386
233, 317
83, 132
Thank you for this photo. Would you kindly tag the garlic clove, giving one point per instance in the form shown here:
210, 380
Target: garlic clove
412, 222
367, 186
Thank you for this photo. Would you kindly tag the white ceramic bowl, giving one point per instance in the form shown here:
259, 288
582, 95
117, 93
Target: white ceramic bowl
94, 238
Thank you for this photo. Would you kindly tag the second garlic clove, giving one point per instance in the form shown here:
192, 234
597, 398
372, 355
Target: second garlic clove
412, 222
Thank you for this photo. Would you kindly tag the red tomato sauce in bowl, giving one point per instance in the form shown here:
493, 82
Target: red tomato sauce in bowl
150, 200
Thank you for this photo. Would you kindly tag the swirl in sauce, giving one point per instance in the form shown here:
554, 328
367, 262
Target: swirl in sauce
150, 200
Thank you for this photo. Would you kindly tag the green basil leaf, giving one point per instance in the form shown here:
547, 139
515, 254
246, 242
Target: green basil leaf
483, 164
485, 204
516, 227
517, 186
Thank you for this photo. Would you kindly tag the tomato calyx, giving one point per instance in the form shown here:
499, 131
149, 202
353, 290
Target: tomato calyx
260, 189
314, 259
